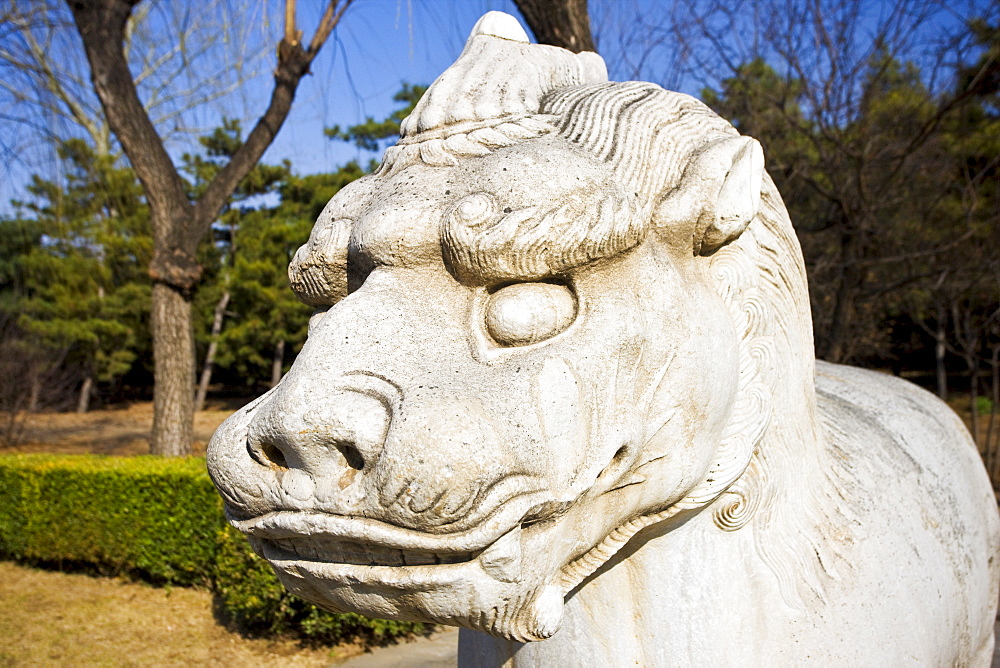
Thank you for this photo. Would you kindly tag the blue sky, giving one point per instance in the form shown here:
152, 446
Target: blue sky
381, 43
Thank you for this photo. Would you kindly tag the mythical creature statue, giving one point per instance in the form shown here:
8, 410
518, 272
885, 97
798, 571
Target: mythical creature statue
560, 387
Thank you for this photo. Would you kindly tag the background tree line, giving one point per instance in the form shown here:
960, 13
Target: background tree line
880, 124
75, 291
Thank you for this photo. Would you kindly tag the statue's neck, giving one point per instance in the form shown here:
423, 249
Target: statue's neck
676, 595
664, 603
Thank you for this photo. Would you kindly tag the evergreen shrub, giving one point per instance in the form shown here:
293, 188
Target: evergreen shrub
150, 517
159, 520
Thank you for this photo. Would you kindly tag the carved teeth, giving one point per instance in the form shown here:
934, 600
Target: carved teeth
502, 559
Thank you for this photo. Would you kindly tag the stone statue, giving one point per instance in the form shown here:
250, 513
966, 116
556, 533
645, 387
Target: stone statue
560, 387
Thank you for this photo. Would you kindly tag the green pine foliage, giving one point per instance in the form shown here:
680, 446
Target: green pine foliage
373, 135
75, 274
264, 309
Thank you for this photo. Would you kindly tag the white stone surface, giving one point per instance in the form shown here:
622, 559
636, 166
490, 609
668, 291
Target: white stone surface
560, 387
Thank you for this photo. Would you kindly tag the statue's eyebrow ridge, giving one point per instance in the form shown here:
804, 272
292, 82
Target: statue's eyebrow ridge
533, 242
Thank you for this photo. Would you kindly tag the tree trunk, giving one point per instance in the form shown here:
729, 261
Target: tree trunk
213, 345
991, 446
34, 389
564, 23
970, 361
178, 224
940, 351
173, 372
83, 402
838, 344
840, 325
277, 362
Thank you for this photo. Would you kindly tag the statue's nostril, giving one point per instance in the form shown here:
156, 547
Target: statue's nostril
266, 454
352, 455
341, 432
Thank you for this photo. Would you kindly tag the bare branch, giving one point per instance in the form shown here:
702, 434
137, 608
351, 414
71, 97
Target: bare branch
293, 63
329, 21
292, 36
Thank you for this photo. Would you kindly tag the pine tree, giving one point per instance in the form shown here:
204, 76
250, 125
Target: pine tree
80, 289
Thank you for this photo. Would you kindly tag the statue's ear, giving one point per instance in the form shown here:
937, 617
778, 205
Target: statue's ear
718, 196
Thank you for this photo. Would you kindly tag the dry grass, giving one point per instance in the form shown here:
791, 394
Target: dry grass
60, 619
123, 430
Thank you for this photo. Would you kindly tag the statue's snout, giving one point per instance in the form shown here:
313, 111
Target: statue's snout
340, 430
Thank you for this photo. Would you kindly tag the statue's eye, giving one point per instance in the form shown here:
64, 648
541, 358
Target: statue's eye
526, 313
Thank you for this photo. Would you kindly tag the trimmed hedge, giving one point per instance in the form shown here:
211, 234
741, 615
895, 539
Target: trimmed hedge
151, 517
159, 520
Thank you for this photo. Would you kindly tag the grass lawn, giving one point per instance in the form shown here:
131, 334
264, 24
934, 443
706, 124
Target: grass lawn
61, 619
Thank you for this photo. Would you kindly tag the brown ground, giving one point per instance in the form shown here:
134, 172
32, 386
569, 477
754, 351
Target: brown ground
107, 431
60, 619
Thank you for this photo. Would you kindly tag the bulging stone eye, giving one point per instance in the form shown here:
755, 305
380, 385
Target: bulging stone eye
526, 313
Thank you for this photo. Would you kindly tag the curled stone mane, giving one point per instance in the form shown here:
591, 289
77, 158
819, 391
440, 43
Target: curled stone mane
761, 278
634, 124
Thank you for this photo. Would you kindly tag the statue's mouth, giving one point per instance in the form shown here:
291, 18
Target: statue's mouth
332, 550
384, 570
327, 539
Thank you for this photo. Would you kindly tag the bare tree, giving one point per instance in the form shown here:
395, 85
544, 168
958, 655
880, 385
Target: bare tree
564, 23
21, 359
208, 364
992, 444
178, 224
173, 50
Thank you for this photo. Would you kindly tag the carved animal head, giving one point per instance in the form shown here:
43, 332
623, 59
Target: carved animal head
537, 332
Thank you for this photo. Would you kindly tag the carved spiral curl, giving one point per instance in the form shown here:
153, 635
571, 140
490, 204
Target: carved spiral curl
735, 508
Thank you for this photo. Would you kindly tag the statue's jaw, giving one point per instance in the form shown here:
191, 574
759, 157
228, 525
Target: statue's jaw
492, 588
504, 577
501, 577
